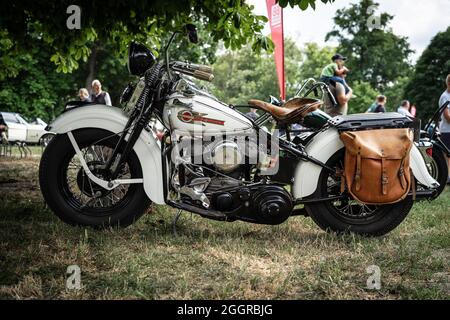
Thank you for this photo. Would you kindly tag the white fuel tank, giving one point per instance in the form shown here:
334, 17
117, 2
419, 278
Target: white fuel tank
200, 115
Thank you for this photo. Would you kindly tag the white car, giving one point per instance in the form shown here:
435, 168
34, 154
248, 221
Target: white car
21, 130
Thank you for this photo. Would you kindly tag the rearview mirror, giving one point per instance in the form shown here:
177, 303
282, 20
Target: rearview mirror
192, 33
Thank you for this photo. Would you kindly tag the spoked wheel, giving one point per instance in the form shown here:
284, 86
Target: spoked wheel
82, 192
349, 215
74, 197
438, 169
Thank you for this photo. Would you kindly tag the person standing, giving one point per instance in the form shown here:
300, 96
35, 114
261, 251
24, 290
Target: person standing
3, 131
342, 99
381, 104
413, 110
444, 126
404, 109
373, 106
252, 114
83, 94
98, 95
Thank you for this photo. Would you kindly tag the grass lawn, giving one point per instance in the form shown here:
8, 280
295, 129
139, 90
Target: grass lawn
212, 260
35, 151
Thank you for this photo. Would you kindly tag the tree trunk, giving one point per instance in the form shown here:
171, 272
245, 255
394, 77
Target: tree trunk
92, 64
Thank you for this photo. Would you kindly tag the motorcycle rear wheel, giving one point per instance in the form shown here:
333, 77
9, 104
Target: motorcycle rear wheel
77, 200
438, 169
348, 215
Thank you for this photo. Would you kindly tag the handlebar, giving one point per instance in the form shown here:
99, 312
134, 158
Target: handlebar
203, 75
199, 71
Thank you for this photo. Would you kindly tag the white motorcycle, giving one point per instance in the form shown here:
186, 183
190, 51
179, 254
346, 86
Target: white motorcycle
173, 143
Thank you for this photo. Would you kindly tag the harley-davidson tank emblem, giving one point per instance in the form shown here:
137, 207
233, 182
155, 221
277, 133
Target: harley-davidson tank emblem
188, 116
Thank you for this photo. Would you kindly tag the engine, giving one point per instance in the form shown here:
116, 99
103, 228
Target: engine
225, 156
218, 180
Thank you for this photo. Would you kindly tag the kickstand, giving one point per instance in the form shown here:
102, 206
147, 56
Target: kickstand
174, 223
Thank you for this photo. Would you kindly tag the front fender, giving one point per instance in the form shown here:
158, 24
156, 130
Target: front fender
324, 146
113, 119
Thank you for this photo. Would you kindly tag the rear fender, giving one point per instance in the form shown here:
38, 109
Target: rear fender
323, 146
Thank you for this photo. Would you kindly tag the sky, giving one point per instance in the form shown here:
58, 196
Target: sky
419, 20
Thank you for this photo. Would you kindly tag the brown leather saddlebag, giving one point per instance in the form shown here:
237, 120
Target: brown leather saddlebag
376, 167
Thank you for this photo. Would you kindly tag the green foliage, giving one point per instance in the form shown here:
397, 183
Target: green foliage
302, 4
364, 97
32, 86
203, 52
376, 56
243, 75
395, 92
119, 22
293, 61
428, 82
34, 39
314, 59
10, 60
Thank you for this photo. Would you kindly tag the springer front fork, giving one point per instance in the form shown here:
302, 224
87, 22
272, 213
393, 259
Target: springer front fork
108, 185
139, 118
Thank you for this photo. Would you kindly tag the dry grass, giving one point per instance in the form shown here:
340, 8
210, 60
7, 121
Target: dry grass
211, 260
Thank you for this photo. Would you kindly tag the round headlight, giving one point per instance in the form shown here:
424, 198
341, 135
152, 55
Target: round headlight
140, 59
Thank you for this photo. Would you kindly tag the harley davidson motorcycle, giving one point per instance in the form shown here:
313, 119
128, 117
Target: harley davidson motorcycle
173, 143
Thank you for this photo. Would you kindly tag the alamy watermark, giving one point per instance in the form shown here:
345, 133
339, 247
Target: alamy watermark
374, 21
73, 22
73, 281
374, 280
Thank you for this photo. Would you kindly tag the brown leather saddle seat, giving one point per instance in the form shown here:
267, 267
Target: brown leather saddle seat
291, 112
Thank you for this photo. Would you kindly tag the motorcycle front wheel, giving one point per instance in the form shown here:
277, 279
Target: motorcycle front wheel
348, 215
75, 198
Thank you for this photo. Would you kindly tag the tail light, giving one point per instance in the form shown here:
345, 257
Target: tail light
430, 152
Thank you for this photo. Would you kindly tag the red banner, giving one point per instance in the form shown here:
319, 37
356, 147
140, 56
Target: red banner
275, 13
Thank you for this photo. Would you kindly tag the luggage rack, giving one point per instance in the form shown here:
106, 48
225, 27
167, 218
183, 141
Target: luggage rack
368, 121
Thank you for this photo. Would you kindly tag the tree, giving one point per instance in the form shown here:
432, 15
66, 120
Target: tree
34, 87
314, 59
243, 75
428, 82
395, 92
376, 56
364, 97
104, 64
34, 39
293, 62
118, 22
302, 4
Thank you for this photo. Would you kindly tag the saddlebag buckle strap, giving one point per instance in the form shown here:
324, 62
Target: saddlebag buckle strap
384, 176
401, 172
358, 171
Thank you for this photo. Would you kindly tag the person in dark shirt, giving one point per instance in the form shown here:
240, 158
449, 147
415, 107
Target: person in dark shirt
381, 103
98, 95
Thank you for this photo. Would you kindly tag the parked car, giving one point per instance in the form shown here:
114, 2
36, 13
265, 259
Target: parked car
21, 130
